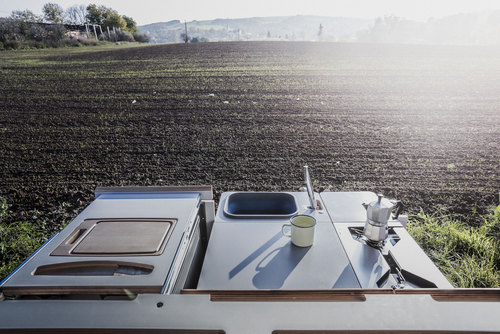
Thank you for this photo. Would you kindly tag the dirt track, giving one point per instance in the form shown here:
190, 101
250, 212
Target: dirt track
416, 123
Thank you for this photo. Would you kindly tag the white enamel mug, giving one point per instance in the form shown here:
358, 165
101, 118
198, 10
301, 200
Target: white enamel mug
301, 230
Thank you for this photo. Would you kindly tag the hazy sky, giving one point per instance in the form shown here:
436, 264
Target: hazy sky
150, 11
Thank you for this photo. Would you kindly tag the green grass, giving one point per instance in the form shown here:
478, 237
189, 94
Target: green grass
468, 256
18, 241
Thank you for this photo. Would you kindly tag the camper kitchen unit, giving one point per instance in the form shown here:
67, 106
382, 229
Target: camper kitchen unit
167, 260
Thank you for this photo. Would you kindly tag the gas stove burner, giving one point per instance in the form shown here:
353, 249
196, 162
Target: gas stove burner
358, 235
375, 244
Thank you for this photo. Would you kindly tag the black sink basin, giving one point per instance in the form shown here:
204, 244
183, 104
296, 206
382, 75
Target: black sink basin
260, 205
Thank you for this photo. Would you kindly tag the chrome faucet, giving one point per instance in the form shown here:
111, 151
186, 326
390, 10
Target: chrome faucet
309, 188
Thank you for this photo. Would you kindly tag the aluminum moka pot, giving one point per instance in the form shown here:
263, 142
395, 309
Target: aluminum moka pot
377, 215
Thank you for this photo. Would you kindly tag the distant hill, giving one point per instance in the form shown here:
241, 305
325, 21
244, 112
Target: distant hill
293, 28
479, 28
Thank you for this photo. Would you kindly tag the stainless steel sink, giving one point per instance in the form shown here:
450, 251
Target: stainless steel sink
260, 205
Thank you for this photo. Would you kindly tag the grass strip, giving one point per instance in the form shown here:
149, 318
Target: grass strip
468, 256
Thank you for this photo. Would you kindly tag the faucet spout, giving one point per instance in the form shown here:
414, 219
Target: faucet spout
309, 188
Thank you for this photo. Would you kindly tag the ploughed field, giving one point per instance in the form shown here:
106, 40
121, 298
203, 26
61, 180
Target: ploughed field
417, 123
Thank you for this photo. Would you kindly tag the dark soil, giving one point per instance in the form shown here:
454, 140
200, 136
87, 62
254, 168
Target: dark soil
416, 123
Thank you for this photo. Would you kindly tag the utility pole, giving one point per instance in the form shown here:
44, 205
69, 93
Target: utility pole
186, 39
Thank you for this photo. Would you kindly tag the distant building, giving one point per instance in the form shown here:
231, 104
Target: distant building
76, 30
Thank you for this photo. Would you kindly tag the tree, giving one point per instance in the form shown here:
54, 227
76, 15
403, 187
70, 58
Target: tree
20, 26
9, 30
114, 20
95, 14
76, 14
52, 12
25, 16
104, 16
131, 24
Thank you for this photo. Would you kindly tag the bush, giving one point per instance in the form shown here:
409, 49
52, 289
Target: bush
199, 40
469, 257
16, 34
124, 36
88, 41
141, 38
56, 32
37, 33
118, 36
12, 45
29, 44
70, 42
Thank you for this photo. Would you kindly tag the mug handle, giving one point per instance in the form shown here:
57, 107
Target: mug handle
283, 230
